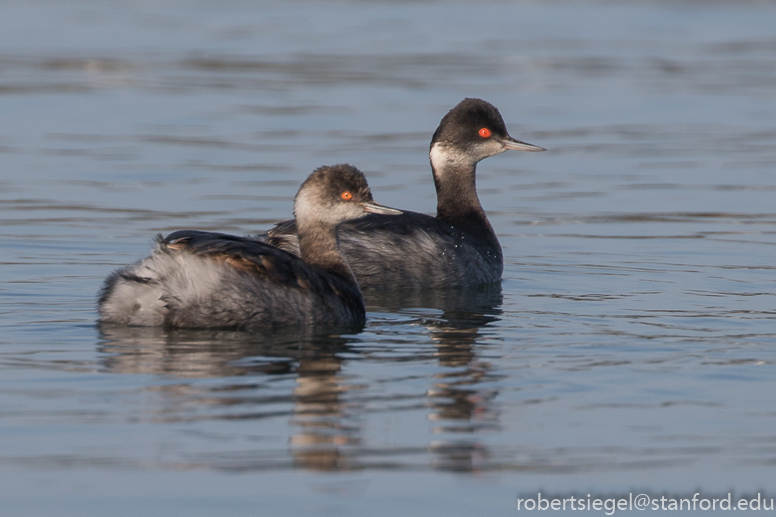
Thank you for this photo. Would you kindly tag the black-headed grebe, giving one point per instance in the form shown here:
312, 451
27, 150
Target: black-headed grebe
196, 279
458, 247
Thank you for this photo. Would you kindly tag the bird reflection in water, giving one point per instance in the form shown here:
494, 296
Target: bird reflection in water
321, 418
317, 413
325, 418
459, 406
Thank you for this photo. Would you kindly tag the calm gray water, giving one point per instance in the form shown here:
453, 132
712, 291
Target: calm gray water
632, 345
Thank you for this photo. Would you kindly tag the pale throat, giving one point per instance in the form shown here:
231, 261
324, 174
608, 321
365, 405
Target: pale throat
443, 157
306, 211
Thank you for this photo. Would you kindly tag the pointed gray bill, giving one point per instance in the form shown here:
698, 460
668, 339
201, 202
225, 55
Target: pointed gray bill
517, 145
371, 206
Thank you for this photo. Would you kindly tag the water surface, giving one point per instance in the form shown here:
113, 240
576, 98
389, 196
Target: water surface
629, 347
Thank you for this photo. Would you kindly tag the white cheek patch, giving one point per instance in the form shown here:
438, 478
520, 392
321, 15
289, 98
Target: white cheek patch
442, 157
492, 149
307, 211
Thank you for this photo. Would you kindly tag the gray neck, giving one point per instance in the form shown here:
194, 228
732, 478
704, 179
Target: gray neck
318, 246
455, 179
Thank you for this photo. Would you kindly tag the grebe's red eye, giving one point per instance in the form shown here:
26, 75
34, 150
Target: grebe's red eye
484, 132
346, 195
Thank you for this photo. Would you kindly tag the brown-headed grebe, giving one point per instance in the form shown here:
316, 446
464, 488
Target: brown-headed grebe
197, 279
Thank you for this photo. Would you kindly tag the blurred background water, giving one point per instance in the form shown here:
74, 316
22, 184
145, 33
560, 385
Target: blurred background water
630, 346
